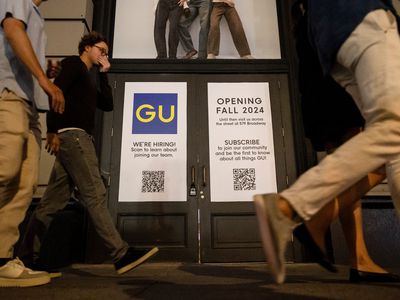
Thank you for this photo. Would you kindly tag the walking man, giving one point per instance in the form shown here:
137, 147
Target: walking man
69, 137
23, 84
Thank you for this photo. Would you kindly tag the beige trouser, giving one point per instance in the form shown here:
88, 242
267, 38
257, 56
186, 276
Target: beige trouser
368, 66
20, 141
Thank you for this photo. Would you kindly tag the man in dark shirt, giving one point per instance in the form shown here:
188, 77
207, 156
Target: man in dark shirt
69, 138
358, 43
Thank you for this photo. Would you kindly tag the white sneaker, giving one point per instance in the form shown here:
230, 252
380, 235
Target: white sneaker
15, 274
275, 231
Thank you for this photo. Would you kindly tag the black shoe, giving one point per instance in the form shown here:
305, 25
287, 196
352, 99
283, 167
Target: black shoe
133, 258
359, 276
302, 234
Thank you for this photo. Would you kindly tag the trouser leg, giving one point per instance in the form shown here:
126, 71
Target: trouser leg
78, 156
237, 31
160, 24
183, 29
20, 141
204, 15
173, 36
55, 198
214, 34
369, 68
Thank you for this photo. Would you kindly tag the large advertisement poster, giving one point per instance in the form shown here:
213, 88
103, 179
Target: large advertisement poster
242, 161
153, 148
135, 26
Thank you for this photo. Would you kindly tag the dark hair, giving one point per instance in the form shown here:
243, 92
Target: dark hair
90, 39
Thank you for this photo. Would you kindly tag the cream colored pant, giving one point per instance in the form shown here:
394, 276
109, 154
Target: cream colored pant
368, 66
20, 142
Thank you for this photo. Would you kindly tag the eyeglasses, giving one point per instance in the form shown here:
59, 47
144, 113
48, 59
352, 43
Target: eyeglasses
103, 51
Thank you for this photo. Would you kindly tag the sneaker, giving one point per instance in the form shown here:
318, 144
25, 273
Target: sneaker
53, 273
275, 231
190, 54
15, 274
133, 258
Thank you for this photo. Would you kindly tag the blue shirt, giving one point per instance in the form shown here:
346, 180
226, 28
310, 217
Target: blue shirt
13, 74
332, 21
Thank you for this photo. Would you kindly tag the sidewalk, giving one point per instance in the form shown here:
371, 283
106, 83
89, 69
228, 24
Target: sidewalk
206, 281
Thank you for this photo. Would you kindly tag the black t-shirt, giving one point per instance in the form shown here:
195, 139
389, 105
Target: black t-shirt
83, 92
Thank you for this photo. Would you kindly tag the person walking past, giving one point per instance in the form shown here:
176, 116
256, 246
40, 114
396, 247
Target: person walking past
69, 137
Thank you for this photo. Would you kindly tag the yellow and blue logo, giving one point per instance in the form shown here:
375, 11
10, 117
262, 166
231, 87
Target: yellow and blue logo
155, 114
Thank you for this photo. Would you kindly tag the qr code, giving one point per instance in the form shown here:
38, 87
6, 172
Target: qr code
153, 181
244, 179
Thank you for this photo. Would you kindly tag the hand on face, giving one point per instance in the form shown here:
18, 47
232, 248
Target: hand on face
104, 63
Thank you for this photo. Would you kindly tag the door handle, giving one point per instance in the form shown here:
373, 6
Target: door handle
192, 190
193, 175
204, 175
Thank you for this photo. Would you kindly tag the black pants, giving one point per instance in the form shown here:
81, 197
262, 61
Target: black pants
167, 10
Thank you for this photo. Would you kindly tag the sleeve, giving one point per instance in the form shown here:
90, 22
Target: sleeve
70, 72
52, 121
104, 93
18, 9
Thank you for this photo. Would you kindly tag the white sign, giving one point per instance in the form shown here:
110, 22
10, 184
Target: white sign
153, 149
242, 161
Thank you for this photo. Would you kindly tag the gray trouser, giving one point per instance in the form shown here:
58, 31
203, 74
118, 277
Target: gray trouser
202, 9
167, 10
76, 165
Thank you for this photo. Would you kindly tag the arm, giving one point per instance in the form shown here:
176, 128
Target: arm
14, 31
104, 93
70, 71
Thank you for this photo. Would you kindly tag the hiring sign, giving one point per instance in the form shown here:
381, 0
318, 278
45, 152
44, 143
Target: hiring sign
153, 147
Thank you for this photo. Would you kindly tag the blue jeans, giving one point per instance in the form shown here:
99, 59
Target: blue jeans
201, 8
76, 165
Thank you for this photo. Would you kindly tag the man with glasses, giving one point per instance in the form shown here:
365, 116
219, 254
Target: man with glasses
69, 137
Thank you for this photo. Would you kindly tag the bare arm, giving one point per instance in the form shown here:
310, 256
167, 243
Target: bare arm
14, 31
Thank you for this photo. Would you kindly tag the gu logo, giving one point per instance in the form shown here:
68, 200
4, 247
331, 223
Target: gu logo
155, 114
